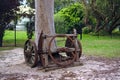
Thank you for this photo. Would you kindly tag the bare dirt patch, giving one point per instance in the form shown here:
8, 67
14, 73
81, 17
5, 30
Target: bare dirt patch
13, 67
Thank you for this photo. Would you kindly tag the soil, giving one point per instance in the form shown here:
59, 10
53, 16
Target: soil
13, 67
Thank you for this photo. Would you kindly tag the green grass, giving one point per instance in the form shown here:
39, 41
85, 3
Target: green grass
103, 46
8, 39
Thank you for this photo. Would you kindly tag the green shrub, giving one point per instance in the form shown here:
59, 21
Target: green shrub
86, 30
67, 17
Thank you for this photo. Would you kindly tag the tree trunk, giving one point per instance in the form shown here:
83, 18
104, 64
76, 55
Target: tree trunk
114, 24
1, 39
2, 30
44, 20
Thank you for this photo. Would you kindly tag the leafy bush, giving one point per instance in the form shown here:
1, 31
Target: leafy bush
66, 18
86, 30
59, 23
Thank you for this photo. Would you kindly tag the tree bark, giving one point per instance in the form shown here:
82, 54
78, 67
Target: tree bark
44, 20
2, 30
114, 24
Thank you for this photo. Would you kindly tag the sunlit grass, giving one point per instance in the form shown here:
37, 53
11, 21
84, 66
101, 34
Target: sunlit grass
104, 46
9, 38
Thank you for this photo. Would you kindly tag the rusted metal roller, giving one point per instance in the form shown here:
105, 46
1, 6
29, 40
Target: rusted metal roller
79, 48
71, 45
63, 60
30, 53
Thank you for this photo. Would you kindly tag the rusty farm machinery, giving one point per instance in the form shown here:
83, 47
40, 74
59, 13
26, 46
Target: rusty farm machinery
60, 50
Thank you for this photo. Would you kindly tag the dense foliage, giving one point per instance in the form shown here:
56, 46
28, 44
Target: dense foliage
59, 4
106, 13
7, 12
69, 18
100, 16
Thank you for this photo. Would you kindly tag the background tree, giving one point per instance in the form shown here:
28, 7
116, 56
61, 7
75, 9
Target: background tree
69, 18
106, 13
59, 4
7, 12
27, 9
